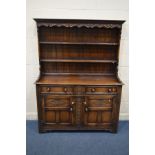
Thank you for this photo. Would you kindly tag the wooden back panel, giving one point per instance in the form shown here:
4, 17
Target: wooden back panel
59, 67
48, 51
82, 34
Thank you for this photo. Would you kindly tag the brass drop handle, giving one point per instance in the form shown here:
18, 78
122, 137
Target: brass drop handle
109, 100
109, 89
93, 89
72, 103
48, 89
65, 89
86, 109
85, 103
71, 109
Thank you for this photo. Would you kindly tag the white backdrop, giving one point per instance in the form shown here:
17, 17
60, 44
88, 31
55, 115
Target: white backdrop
73, 9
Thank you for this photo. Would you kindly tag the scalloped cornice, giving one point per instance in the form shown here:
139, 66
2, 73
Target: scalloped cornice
70, 25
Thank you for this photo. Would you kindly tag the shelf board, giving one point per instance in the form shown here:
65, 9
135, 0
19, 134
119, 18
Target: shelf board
78, 60
77, 74
77, 43
79, 80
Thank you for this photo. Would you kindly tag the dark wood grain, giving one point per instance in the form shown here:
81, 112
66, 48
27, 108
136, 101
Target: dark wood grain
79, 80
78, 87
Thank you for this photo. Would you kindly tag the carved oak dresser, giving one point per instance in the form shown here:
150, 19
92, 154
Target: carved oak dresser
78, 87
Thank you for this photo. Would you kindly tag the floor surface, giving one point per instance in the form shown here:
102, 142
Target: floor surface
77, 143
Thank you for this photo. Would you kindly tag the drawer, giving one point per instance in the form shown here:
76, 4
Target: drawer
57, 90
100, 90
57, 101
100, 101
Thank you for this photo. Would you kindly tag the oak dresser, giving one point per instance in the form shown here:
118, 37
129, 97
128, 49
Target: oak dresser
78, 87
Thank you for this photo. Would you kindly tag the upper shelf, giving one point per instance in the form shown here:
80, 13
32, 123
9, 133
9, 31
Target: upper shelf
78, 60
78, 43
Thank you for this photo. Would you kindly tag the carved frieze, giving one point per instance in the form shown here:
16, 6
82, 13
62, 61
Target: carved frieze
70, 25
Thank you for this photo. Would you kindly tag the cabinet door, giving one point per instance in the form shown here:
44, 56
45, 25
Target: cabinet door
57, 110
98, 111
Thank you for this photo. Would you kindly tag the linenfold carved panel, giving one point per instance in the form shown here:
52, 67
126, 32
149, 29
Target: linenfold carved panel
110, 26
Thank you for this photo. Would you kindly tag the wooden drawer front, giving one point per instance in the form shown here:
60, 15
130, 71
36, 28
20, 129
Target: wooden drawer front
54, 101
100, 101
100, 90
57, 90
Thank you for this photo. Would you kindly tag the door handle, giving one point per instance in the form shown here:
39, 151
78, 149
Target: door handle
85, 103
86, 109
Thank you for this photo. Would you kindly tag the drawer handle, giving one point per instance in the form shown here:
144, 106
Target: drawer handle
65, 89
93, 89
109, 89
109, 100
86, 109
85, 103
73, 103
48, 89
71, 109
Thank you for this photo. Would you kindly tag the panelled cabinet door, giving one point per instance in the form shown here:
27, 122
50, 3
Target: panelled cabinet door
98, 111
57, 110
